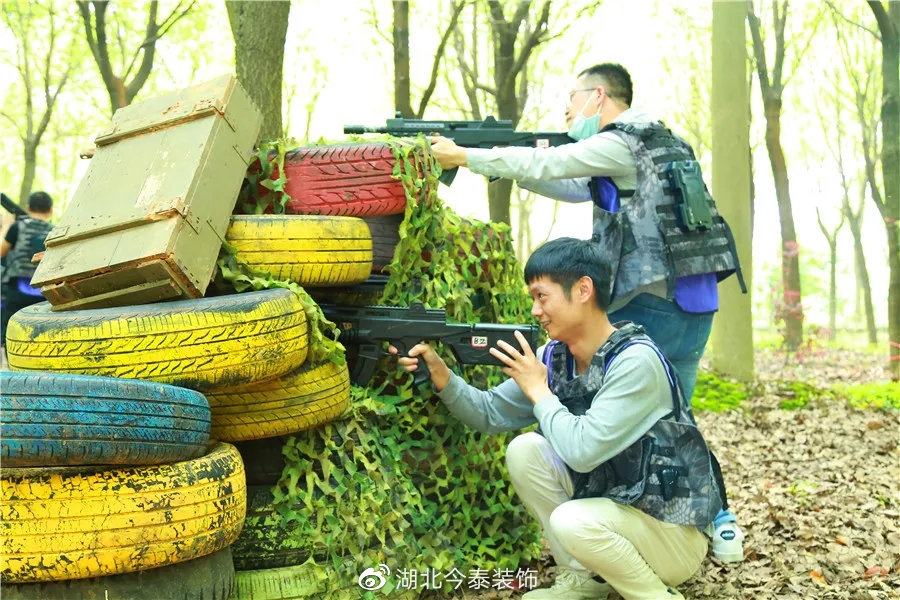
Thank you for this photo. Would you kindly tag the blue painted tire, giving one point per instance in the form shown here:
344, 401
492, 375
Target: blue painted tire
54, 419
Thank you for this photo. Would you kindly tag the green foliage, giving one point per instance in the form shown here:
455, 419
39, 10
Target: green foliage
397, 480
883, 395
799, 394
266, 162
716, 394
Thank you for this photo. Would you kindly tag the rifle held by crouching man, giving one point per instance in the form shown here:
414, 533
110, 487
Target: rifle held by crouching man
404, 327
467, 134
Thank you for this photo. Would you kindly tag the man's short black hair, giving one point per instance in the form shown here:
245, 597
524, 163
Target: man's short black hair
40, 202
565, 261
616, 79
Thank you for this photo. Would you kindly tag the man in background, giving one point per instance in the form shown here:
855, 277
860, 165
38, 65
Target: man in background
22, 241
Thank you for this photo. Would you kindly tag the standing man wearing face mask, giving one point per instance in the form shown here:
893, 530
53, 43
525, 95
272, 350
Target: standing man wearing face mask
665, 267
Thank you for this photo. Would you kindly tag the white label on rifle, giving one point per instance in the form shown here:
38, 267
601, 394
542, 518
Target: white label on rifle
542, 143
479, 341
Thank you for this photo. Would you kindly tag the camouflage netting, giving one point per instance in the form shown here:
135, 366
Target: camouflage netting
397, 480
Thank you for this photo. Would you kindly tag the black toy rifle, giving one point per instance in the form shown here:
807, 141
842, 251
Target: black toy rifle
369, 326
12, 207
468, 134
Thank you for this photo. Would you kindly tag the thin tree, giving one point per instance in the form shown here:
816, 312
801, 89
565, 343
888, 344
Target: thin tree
43, 74
400, 41
888, 19
513, 40
831, 236
862, 87
123, 87
260, 29
772, 89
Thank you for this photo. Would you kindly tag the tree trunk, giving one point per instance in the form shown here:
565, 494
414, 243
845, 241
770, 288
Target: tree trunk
731, 347
259, 30
832, 288
862, 272
498, 200
507, 108
792, 309
889, 25
402, 100
30, 156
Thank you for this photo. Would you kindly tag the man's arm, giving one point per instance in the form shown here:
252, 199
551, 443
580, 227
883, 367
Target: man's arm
564, 190
604, 154
635, 394
9, 240
501, 408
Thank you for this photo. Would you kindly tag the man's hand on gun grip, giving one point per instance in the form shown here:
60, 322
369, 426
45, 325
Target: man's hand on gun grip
447, 153
440, 374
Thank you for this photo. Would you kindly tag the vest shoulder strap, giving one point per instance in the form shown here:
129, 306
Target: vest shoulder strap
670, 374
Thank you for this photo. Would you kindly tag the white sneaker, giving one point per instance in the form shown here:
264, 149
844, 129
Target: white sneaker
571, 585
728, 543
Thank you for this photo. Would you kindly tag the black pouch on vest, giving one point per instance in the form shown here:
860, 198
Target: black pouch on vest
691, 205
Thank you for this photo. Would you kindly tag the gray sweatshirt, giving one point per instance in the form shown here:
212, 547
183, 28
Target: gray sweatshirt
563, 172
634, 396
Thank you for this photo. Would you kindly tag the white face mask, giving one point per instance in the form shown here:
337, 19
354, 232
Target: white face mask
584, 127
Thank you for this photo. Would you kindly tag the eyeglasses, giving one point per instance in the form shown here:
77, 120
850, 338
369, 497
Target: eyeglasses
573, 92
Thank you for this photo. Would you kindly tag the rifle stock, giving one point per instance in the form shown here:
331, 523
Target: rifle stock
12, 207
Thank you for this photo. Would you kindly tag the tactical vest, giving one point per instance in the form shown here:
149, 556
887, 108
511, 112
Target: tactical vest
29, 242
647, 239
669, 473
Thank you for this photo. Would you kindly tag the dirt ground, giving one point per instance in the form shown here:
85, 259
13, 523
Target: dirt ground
816, 490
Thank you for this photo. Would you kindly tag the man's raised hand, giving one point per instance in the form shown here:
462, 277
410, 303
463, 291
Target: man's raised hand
524, 368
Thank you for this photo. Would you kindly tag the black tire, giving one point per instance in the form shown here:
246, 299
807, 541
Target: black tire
52, 419
209, 577
264, 543
263, 460
385, 232
367, 293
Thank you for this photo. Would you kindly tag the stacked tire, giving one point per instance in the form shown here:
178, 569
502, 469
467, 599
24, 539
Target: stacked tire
96, 388
112, 485
340, 232
117, 477
351, 180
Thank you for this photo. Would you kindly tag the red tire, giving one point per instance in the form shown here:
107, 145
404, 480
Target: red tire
385, 233
351, 180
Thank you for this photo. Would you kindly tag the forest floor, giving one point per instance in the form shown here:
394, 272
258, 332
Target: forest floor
816, 488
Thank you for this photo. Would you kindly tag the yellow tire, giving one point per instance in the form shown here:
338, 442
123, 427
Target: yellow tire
309, 397
198, 344
72, 523
313, 251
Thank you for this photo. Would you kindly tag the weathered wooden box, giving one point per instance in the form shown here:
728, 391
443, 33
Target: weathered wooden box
148, 219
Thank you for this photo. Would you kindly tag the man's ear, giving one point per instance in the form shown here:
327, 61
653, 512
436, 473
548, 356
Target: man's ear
585, 288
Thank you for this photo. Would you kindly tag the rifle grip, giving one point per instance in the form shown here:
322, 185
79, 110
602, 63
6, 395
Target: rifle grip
422, 373
447, 175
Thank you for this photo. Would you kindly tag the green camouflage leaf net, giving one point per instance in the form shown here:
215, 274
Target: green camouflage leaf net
397, 480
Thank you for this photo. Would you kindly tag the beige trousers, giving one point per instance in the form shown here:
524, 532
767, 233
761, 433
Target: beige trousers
641, 557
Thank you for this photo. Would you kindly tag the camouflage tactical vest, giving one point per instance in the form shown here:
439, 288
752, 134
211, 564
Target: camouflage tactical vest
29, 242
669, 473
644, 239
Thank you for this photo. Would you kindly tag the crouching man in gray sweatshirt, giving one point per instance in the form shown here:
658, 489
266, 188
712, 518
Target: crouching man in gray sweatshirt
617, 473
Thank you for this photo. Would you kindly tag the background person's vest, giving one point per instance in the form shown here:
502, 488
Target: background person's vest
29, 242
644, 239
669, 472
